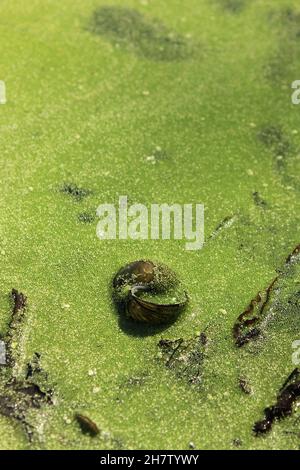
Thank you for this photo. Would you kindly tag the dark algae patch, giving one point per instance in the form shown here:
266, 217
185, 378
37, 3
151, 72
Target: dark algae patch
285, 23
253, 228
86, 218
76, 192
146, 37
288, 395
233, 6
284, 152
274, 138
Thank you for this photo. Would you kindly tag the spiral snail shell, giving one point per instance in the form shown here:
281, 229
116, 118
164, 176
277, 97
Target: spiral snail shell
144, 276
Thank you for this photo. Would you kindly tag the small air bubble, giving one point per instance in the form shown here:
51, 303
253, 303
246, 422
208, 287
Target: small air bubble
65, 306
223, 311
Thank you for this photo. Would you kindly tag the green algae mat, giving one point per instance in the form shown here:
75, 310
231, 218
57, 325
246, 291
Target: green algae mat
178, 102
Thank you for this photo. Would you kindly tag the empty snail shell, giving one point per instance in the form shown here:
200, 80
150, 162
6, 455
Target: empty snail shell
144, 276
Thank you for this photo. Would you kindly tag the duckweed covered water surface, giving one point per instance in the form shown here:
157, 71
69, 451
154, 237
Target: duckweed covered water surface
92, 89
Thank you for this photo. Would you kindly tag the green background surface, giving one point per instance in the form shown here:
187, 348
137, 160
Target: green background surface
85, 109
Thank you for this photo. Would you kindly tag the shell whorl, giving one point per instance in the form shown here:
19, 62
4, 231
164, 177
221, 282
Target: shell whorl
144, 276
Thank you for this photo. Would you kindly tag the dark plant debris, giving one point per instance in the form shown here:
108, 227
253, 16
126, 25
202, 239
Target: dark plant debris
19, 301
237, 442
246, 327
33, 367
19, 395
292, 256
258, 200
185, 357
287, 397
203, 338
19, 304
245, 386
225, 223
86, 425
